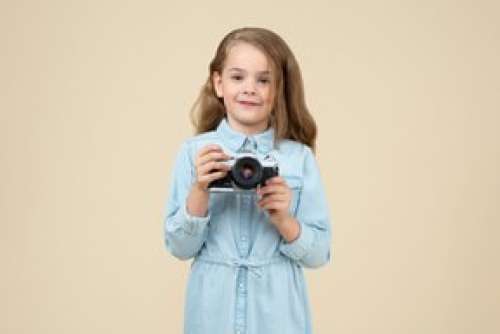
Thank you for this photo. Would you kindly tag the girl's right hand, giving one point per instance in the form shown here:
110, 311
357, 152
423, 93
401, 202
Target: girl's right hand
209, 165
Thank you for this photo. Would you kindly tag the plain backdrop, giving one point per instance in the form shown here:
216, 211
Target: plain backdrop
94, 103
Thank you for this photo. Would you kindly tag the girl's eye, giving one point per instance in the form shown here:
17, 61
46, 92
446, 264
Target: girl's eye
239, 78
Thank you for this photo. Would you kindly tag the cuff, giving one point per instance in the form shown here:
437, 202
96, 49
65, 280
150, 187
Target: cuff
298, 248
193, 224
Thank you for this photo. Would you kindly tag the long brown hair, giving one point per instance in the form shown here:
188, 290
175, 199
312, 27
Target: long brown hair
291, 118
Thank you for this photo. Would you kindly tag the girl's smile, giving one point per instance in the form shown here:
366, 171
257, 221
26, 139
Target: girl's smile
250, 104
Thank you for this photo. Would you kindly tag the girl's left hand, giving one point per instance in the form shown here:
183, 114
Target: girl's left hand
275, 197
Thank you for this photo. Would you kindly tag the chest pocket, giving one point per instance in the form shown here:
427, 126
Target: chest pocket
295, 184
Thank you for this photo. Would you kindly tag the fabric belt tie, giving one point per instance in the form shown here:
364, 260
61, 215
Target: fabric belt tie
253, 266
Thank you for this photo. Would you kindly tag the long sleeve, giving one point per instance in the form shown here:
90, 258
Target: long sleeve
312, 248
184, 233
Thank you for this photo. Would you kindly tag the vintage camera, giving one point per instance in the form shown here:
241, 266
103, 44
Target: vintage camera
247, 172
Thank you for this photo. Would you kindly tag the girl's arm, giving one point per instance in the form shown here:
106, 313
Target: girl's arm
312, 246
184, 233
187, 216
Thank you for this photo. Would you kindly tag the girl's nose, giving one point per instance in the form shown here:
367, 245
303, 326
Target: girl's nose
249, 87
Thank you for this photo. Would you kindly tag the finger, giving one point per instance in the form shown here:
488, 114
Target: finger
276, 180
280, 206
213, 166
212, 156
272, 189
211, 177
207, 148
273, 198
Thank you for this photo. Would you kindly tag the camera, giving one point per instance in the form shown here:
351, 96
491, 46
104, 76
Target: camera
246, 173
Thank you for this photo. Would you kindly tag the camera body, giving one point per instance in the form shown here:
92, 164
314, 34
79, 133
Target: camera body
247, 172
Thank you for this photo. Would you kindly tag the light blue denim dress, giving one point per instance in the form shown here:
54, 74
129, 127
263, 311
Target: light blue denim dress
244, 277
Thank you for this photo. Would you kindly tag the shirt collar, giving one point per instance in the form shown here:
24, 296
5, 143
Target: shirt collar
263, 142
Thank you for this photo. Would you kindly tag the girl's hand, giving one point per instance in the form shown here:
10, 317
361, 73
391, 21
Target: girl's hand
209, 165
276, 197
208, 168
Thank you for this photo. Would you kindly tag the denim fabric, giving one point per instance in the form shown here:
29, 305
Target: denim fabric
244, 277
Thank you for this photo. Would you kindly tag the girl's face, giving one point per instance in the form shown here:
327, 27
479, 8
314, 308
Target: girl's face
247, 87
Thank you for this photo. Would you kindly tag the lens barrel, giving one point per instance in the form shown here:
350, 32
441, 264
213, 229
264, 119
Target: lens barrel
247, 172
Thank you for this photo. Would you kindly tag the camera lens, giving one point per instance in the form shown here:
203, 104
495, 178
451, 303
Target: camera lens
247, 172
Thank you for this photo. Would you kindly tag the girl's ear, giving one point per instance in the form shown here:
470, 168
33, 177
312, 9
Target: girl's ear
217, 83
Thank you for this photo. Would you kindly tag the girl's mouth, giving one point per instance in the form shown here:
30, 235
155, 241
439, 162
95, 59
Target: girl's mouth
249, 104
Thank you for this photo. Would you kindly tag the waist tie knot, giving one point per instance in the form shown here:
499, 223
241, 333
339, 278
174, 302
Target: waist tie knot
254, 266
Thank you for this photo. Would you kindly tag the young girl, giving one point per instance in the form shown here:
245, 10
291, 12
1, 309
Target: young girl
249, 247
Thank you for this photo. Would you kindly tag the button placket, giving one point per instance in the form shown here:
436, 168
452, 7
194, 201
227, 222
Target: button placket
240, 320
244, 237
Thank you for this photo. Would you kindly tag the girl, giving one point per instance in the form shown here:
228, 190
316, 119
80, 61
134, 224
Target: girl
249, 247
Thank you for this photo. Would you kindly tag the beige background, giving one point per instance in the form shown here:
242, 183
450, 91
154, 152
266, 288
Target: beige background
94, 104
